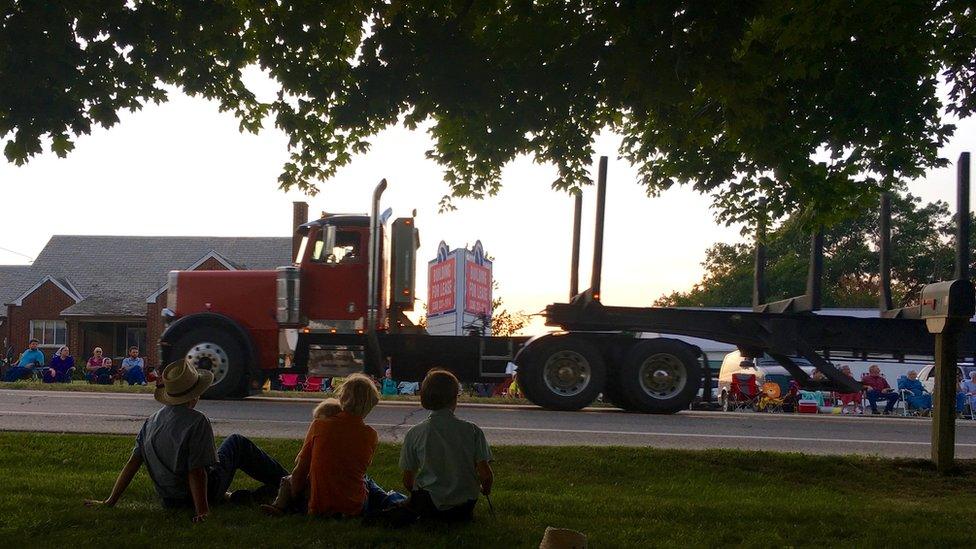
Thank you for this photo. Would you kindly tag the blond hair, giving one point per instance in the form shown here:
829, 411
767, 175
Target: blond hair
358, 395
327, 408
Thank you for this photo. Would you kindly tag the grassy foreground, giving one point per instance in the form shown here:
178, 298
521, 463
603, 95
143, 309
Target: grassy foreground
618, 497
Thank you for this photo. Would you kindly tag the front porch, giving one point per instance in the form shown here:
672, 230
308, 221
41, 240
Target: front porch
114, 336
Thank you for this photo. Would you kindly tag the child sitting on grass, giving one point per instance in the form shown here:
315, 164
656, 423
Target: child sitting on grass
445, 460
330, 471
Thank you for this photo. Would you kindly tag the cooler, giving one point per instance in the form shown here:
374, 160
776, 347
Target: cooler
807, 407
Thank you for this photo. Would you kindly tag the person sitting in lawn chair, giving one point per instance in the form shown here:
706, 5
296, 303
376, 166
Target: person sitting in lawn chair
849, 399
132, 369
31, 359
94, 364
60, 368
877, 388
916, 397
389, 384
445, 460
176, 444
329, 478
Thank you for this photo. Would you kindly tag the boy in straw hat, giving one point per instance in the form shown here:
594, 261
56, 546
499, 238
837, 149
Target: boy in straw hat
177, 446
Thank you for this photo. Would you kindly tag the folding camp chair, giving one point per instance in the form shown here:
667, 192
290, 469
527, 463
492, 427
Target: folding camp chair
289, 382
312, 385
779, 394
743, 393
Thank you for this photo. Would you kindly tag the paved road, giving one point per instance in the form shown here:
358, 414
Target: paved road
123, 414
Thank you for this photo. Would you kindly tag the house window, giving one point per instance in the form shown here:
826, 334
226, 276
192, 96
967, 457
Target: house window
135, 337
50, 333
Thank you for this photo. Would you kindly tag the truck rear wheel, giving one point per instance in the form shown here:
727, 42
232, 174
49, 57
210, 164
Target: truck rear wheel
563, 373
217, 351
659, 376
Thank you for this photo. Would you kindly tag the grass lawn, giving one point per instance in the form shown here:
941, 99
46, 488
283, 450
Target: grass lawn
619, 497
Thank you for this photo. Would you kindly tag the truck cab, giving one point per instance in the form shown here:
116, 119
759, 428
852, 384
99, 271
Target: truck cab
244, 325
334, 266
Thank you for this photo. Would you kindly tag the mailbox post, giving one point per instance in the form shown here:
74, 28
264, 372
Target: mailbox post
946, 308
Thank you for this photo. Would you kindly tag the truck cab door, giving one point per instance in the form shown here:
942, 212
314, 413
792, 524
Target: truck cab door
335, 275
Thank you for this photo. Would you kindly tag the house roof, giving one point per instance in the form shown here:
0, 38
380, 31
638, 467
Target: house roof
63, 283
14, 279
114, 275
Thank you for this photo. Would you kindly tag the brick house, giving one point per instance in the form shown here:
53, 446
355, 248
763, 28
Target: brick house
108, 291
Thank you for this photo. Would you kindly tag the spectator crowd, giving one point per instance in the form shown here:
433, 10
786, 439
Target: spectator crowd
99, 369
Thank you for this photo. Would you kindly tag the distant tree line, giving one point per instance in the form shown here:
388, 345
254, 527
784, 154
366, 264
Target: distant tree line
923, 251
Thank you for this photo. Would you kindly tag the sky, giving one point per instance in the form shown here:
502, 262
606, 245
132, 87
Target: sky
182, 168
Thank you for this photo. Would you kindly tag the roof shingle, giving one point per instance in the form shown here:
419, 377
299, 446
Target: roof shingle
115, 274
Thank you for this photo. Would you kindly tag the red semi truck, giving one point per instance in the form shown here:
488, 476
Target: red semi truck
340, 309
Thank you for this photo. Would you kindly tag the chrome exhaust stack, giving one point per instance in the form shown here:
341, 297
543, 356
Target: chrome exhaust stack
375, 258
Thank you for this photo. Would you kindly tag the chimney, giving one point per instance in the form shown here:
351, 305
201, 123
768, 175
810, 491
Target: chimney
299, 217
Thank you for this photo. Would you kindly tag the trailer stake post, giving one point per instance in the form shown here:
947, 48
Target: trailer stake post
884, 252
574, 262
601, 200
759, 267
962, 217
815, 272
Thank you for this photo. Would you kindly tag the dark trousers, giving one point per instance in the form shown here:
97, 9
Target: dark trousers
17, 373
135, 376
874, 396
237, 452
53, 376
423, 506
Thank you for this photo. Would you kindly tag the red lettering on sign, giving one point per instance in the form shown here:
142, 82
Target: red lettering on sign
440, 287
477, 289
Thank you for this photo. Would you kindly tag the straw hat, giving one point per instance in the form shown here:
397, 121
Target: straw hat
561, 538
181, 383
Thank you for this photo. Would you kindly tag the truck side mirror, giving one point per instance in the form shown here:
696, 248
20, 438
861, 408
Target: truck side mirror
946, 301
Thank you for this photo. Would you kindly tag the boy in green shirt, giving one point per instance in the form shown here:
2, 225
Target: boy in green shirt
445, 460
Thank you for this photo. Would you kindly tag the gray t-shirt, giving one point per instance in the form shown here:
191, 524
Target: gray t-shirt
172, 442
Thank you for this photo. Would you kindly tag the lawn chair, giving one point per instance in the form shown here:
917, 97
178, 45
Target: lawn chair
312, 385
779, 393
743, 393
289, 382
907, 409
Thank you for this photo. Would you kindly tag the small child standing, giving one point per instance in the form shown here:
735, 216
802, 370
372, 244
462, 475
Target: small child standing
445, 460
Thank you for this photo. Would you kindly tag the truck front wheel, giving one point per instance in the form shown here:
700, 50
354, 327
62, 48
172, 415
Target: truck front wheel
659, 376
563, 373
217, 351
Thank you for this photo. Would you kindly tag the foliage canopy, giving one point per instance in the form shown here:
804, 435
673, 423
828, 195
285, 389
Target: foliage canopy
815, 104
922, 253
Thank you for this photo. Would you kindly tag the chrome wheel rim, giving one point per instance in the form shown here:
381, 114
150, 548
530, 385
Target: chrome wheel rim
567, 373
662, 376
209, 356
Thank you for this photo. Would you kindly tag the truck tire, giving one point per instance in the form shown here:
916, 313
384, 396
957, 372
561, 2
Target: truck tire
659, 377
219, 352
563, 373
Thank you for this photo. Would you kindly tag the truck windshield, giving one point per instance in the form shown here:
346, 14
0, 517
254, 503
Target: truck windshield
301, 249
346, 249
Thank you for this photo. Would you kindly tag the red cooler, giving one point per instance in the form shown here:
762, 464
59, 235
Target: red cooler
807, 407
